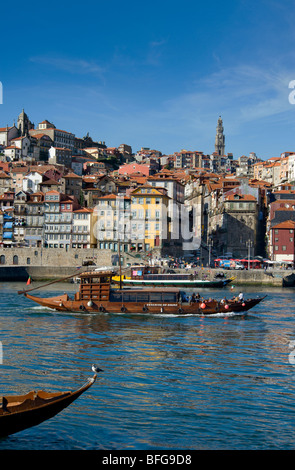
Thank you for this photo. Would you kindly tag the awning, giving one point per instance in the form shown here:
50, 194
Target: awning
7, 225
33, 237
7, 235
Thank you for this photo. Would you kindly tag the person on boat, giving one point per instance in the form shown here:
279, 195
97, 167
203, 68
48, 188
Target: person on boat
198, 296
241, 297
193, 299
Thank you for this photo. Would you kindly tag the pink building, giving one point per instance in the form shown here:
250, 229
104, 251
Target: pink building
134, 167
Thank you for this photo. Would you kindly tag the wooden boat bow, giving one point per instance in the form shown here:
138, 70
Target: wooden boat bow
19, 412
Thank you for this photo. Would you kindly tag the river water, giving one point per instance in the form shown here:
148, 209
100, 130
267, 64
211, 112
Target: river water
168, 382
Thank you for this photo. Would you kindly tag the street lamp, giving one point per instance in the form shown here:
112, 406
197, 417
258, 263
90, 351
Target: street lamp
249, 244
210, 244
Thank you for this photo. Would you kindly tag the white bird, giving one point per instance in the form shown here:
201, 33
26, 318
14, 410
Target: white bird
96, 369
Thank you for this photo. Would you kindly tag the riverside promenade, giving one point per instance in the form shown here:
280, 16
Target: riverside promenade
42, 264
44, 273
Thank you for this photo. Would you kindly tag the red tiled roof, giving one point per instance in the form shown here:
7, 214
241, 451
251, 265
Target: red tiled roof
288, 224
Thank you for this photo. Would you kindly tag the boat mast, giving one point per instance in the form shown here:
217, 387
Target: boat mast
120, 264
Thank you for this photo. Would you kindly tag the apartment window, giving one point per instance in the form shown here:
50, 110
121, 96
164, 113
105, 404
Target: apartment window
284, 248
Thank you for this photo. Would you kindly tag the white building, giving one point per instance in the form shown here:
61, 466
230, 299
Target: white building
7, 134
31, 181
82, 228
23, 143
12, 153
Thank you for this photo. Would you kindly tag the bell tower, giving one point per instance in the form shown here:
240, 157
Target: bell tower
24, 124
219, 139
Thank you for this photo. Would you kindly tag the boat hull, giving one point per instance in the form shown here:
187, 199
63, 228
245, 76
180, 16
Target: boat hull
208, 307
34, 410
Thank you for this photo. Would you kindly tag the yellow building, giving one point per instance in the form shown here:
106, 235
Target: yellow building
150, 226
139, 221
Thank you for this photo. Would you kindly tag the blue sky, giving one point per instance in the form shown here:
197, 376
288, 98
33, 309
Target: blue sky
154, 75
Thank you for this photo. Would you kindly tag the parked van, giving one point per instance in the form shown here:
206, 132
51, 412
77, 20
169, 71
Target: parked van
239, 265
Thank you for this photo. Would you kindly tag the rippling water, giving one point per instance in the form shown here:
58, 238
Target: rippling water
169, 382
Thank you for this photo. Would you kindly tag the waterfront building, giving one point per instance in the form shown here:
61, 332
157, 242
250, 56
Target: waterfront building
282, 242
82, 229
175, 188
7, 227
112, 217
150, 223
58, 210
35, 219
20, 217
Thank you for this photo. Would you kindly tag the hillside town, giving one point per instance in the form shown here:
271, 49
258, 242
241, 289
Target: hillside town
59, 190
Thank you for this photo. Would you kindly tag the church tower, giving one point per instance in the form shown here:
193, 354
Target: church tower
219, 139
24, 124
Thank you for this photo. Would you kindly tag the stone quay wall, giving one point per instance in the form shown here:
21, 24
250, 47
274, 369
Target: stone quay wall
17, 264
54, 257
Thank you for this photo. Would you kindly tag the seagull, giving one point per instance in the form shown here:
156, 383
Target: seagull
96, 369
